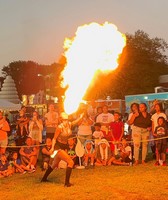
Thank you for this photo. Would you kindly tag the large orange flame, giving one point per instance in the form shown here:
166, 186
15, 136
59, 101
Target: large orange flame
94, 47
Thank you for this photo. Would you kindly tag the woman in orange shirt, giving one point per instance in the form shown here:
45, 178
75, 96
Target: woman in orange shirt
4, 128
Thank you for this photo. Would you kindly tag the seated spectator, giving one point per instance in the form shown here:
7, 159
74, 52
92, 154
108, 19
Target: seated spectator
97, 135
71, 149
29, 155
15, 162
46, 153
104, 155
89, 155
5, 169
125, 154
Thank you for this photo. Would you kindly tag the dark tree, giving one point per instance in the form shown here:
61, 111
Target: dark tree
31, 77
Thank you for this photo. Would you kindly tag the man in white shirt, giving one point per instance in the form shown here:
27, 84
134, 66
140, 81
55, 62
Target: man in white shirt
105, 118
51, 121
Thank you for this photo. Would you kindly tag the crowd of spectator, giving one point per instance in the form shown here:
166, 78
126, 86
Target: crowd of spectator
94, 134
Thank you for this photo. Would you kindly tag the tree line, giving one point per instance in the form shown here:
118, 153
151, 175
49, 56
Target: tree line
141, 63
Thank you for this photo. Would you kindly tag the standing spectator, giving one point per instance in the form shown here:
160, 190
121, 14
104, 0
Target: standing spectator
134, 109
117, 130
84, 127
99, 111
92, 110
105, 118
35, 130
159, 112
97, 135
22, 126
4, 128
140, 131
7, 119
161, 145
152, 107
51, 121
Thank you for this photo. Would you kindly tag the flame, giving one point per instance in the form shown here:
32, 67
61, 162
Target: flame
94, 47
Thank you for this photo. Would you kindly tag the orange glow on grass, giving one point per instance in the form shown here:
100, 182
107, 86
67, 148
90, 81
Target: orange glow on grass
95, 47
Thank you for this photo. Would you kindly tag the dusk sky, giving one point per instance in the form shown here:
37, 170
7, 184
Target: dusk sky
35, 29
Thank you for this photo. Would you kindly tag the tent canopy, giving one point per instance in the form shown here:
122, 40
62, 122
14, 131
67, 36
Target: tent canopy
6, 105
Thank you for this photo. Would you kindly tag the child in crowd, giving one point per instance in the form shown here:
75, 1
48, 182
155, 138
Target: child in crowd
29, 155
161, 145
117, 130
71, 149
46, 153
5, 169
97, 135
15, 162
125, 154
89, 155
104, 154
22, 122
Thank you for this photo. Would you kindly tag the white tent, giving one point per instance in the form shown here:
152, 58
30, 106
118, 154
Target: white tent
8, 106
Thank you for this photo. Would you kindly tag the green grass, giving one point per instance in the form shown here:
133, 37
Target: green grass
111, 182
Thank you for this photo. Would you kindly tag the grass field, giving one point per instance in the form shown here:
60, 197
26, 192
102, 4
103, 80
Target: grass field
112, 182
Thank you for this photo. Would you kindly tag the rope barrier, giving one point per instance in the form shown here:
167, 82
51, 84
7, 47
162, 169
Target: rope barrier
80, 137
128, 141
37, 145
